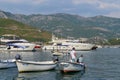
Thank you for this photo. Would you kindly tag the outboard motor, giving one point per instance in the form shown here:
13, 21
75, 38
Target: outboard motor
9, 48
55, 58
18, 57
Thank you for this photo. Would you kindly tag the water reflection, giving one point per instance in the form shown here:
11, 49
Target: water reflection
46, 75
49, 75
69, 76
8, 74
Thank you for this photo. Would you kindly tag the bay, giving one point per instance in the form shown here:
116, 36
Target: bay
102, 64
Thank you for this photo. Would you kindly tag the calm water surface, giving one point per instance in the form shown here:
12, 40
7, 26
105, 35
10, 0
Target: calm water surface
102, 64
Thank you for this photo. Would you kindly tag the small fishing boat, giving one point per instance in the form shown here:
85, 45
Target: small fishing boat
7, 63
71, 67
26, 66
57, 53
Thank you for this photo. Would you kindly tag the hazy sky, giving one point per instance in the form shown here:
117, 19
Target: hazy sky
86, 8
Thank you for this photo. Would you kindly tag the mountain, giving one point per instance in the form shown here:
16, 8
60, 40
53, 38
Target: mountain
68, 25
8, 26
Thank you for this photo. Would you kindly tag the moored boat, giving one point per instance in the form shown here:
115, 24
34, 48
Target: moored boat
71, 67
20, 46
57, 53
7, 63
67, 44
15, 43
26, 66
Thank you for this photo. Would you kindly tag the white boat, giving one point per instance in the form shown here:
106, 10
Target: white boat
25, 66
10, 37
57, 53
20, 46
71, 67
67, 44
14, 43
7, 63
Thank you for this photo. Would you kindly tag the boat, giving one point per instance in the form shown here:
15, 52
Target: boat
66, 67
15, 43
27, 66
10, 37
67, 44
19, 46
10, 63
57, 53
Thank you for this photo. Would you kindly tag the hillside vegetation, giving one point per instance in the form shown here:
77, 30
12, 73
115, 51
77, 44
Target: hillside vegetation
74, 25
8, 26
66, 25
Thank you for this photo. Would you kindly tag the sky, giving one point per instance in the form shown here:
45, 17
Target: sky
86, 8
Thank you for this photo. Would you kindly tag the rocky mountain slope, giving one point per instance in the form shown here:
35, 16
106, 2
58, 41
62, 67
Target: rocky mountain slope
68, 25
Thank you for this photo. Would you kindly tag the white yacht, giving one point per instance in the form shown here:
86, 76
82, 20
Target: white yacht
67, 44
15, 43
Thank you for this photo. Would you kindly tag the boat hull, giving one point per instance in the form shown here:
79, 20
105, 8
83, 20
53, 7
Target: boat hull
71, 67
19, 47
25, 66
68, 46
57, 53
7, 64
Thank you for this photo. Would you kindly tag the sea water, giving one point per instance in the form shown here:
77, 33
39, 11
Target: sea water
101, 64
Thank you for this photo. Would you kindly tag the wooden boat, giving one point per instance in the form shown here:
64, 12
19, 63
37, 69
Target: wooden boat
7, 63
25, 66
71, 67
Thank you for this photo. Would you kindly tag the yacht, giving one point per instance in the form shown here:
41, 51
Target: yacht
15, 43
67, 44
